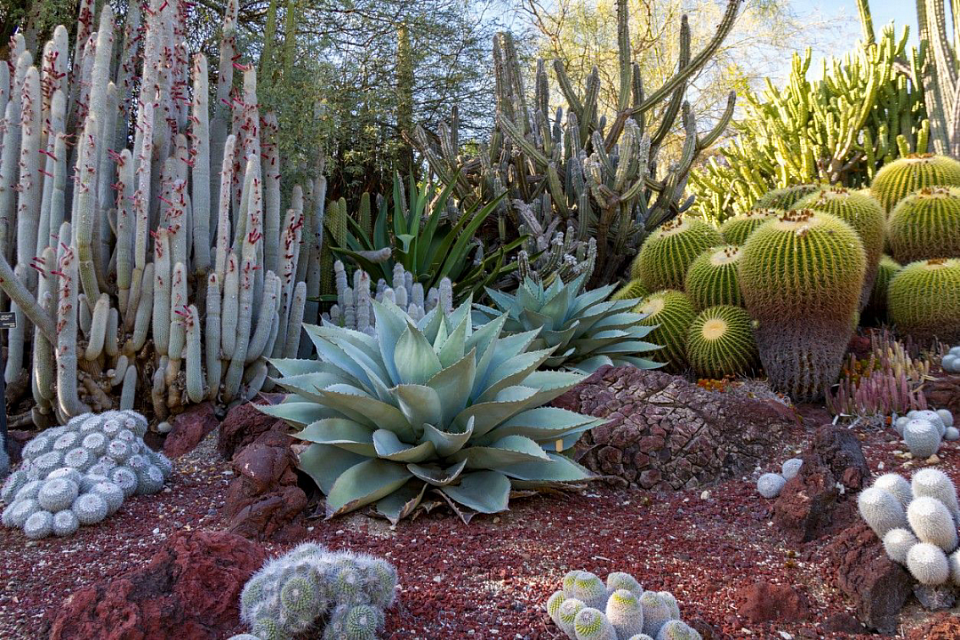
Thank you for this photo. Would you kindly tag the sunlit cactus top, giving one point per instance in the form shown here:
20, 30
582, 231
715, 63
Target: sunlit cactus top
428, 405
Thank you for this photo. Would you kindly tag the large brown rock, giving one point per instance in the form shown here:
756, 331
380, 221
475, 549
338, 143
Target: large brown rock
766, 602
942, 626
190, 590
665, 433
189, 428
811, 504
876, 584
245, 423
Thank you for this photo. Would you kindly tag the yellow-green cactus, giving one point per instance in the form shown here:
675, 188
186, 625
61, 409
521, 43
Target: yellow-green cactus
924, 300
899, 179
784, 198
673, 313
665, 256
713, 278
887, 269
720, 343
737, 229
926, 225
632, 289
801, 275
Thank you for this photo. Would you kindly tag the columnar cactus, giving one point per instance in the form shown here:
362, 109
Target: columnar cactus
147, 225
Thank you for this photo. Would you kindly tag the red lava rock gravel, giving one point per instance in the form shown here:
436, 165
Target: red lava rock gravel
490, 579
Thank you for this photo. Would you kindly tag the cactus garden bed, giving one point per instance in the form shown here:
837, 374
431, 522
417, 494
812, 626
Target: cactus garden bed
490, 578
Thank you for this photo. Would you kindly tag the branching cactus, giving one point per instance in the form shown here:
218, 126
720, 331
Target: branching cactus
575, 170
161, 274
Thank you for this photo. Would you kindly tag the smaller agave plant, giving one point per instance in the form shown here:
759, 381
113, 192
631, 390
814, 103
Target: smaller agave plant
585, 330
429, 405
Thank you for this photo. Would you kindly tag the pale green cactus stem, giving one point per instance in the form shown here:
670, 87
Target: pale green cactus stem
201, 166
68, 283
10, 156
106, 175
193, 356
55, 119
126, 228
292, 342
44, 360
220, 123
231, 307
31, 180
178, 303
86, 209
158, 396
144, 312
289, 254
86, 315
269, 306
98, 327
212, 336
143, 151
271, 193
16, 337
128, 392
111, 345
162, 278
223, 216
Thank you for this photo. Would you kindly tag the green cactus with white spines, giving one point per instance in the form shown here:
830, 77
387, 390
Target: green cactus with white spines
886, 270
713, 278
589, 589
672, 313
862, 212
898, 179
926, 225
621, 580
736, 229
592, 624
923, 300
670, 250
632, 290
625, 613
553, 605
656, 612
801, 275
677, 630
720, 342
786, 197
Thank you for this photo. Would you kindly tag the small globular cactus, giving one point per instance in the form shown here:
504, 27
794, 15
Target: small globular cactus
677, 630
592, 624
932, 523
656, 612
881, 510
769, 485
897, 543
625, 613
928, 564
922, 438
934, 483
897, 485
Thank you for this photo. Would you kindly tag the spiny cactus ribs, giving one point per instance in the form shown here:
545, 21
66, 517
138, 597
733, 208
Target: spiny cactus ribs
924, 299
78, 474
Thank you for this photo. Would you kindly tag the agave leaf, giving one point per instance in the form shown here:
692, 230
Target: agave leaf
505, 451
340, 335
370, 363
529, 296
551, 384
402, 502
435, 475
447, 442
367, 410
590, 298
460, 314
298, 414
558, 469
390, 326
419, 404
629, 347
485, 336
505, 405
639, 363
483, 491
453, 386
441, 336
543, 425
590, 365
342, 433
415, 358
389, 447
514, 371
505, 301
557, 306
623, 321
453, 347
508, 347
334, 355
296, 366
533, 319
431, 324
562, 336
325, 463
307, 385
364, 483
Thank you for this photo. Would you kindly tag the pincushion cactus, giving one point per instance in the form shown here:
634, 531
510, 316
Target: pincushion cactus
922, 438
295, 592
931, 522
81, 489
928, 564
897, 542
951, 361
933, 483
790, 468
630, 613
897, 485
881, 510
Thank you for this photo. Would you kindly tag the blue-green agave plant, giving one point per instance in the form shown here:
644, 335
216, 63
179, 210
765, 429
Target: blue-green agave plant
430, 405
586, 330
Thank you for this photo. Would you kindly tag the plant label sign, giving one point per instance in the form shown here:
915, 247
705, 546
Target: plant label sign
8, 320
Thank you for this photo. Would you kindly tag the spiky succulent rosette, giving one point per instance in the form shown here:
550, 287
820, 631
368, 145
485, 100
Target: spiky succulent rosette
585, 330
428, 405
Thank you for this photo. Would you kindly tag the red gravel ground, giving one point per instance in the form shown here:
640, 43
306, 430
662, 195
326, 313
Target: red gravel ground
488, 579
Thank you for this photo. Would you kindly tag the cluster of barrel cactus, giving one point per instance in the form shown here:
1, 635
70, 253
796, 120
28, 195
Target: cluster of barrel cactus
951, 362
342, 594
166, 271
588, 609
578, 171
80, 473
917, 522
769, 485
923, 431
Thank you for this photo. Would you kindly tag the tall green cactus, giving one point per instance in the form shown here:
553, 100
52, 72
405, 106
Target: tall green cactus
866, 110
576, 170
169, 258
940, 76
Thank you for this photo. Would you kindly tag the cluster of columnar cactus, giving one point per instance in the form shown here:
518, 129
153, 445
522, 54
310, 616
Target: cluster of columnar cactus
354, 309
769, 485
923, 431
605, 179
160, 273
80, 473
586, 608
917, 522
951, 361
311, 589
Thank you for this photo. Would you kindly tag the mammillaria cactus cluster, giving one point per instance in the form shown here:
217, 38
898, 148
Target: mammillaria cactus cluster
80, 473
588, 609
310, 588
951, 361
917, 522
769, 485
924, 431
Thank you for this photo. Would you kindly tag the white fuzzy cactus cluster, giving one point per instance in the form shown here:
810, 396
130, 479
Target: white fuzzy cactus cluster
917, 522
353, 309
343, 594
951, 361
80, 473
924, 431
769, 485
588, 609
141, 226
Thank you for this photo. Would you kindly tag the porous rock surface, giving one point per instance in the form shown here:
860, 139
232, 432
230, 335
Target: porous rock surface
191, 589
664, 433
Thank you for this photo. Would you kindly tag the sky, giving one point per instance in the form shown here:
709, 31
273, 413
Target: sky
883, 11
